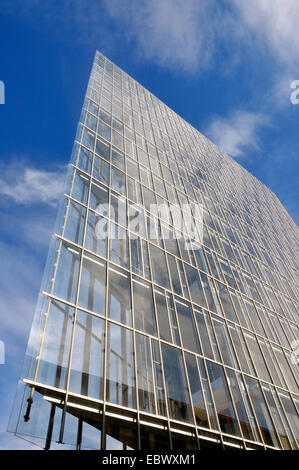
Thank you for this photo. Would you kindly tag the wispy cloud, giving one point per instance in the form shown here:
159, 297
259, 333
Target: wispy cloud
275, 24
173, 33
28, 185
237, 133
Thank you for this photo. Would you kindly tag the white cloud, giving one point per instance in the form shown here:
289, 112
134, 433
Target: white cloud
276, 24
236, 133
28, 185
174, 33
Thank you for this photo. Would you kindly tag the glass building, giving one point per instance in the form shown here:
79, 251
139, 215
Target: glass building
168, 312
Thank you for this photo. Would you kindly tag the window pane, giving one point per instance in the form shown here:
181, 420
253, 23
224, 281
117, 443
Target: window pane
118, 245
119, 296
204, 335
226, 415
144, 313
66, 278
195, 286
87, 368
92, 285
75, 220
144, 374
187, 327
120, 367
196, 391
162, 315
96, 234
261, 410
176, 385
56, 345
224, 343
159, 267
101, 170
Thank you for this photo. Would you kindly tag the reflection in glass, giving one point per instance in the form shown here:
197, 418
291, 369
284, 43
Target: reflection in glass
262, 413
199, 406
225, 411
119, 296
120, 384
54, 356
92, 284
87, 368
144, 374
187, 327
144, 313
176, 385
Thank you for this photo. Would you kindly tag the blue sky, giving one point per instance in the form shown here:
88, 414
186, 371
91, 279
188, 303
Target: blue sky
224, 66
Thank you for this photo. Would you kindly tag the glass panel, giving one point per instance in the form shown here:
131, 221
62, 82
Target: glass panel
199, 405
176, 386
225, 411
224, 342
66, 276
226, 301
144, 374
103, 149
159, 384
240, 406
119, 296
162, 315
84, 160
292, 415
101, 170
159, 267
54, 355
118, 181
187, 327
119, 246
75, 221
144, 313
276, 418
79, 187
91, 437
261, 410
92, 285
99, 199
204, 334
96, 234
257, 357
195, 286
120, 384
253, 316
238, 344
174, 275
87, 367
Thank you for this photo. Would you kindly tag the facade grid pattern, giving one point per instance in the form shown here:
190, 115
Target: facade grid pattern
147, 338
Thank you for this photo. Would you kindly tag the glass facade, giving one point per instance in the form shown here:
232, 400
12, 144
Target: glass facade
147, 334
